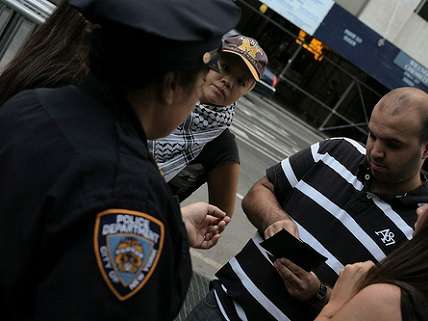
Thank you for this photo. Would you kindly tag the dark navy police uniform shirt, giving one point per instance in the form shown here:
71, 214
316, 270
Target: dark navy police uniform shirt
88, 229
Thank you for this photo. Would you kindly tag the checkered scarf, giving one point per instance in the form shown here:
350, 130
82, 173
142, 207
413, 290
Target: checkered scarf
184, 144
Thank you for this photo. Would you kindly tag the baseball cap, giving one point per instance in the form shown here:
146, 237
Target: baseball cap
249, 50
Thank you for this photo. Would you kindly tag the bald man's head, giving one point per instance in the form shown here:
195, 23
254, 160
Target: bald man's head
405, 100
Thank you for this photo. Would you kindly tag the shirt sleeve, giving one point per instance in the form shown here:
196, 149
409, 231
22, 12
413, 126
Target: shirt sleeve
222, 150
285, 175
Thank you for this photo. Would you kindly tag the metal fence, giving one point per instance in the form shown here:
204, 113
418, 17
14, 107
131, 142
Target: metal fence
330, 93
18, 19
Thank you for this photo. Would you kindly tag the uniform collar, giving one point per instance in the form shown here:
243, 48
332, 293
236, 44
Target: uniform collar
114, 99
408, 199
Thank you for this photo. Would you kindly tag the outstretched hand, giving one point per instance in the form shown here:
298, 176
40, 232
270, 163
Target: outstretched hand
204, 224
348, 283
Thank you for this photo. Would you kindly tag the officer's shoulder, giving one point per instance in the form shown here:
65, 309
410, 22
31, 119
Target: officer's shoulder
18, 103
24, 118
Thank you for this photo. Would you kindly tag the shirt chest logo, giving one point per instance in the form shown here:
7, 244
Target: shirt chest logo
127, 247
387, 237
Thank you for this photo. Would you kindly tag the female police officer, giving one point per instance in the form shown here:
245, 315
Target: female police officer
88, 228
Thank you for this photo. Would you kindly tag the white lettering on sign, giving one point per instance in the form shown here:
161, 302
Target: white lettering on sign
351, 38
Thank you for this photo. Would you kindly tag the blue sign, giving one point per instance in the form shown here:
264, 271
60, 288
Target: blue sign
366, 49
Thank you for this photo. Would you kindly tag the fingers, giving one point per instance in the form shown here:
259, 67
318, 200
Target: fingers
222, 225
215, 211
210, 242
216, 225
214, 230
355, 271
292, 267
286, 224
300, 284
272, 230
360, 266
422, 217
422, 209
286, 274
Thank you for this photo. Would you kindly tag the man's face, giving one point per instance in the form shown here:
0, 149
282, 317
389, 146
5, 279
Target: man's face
223, 89
394, 149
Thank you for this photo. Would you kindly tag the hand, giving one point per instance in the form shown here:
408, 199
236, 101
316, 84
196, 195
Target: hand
422, 213
347, 285
204, 224
287, 224
300, 284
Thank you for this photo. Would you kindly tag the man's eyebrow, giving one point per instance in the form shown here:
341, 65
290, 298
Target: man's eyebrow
394, 140
388, 139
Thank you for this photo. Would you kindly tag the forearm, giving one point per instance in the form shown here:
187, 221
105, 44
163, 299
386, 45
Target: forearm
222, 187
261, 206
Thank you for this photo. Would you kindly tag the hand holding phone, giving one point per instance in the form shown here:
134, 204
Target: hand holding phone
284, 244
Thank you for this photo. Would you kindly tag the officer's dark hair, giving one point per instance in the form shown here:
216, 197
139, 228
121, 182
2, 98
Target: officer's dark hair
55, 55
127, 58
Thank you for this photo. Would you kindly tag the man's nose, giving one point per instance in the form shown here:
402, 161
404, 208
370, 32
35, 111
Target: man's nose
227, 81
377, 151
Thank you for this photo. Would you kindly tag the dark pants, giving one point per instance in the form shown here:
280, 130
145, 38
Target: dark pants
206, 310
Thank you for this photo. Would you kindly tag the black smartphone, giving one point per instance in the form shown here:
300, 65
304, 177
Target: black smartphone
284, 244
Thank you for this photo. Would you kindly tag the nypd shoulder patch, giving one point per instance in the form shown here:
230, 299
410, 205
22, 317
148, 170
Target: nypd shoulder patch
127, 247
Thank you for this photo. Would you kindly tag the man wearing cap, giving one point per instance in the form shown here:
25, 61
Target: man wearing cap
88, 227
347, 202
202, 149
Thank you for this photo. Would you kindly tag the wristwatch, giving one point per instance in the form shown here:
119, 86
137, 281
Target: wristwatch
321, 294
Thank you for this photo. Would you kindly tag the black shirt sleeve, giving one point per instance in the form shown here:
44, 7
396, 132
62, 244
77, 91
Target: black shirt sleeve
222, 150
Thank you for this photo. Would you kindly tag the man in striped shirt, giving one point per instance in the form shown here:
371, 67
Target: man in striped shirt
348, 202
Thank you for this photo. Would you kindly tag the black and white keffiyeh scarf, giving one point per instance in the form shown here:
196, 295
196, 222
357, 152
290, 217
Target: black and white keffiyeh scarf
184, 144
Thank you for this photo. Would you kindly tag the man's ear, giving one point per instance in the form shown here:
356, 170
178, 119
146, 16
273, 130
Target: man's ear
169, 88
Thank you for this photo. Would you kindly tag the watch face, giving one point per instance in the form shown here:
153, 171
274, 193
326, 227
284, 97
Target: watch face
322, 292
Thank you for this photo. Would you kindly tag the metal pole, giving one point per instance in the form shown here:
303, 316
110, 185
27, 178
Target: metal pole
321, 103
343, 126
337, 105
289, 62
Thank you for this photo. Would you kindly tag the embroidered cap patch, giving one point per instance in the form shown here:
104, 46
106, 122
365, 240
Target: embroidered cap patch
127, 246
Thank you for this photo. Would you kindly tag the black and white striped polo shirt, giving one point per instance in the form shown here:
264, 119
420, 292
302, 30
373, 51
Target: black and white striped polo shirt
324, 190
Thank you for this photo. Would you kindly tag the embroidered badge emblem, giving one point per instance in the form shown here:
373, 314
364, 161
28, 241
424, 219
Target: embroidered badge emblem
387, 236
249, 46
127, 247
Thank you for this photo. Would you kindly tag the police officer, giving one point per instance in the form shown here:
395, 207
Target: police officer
88, 227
